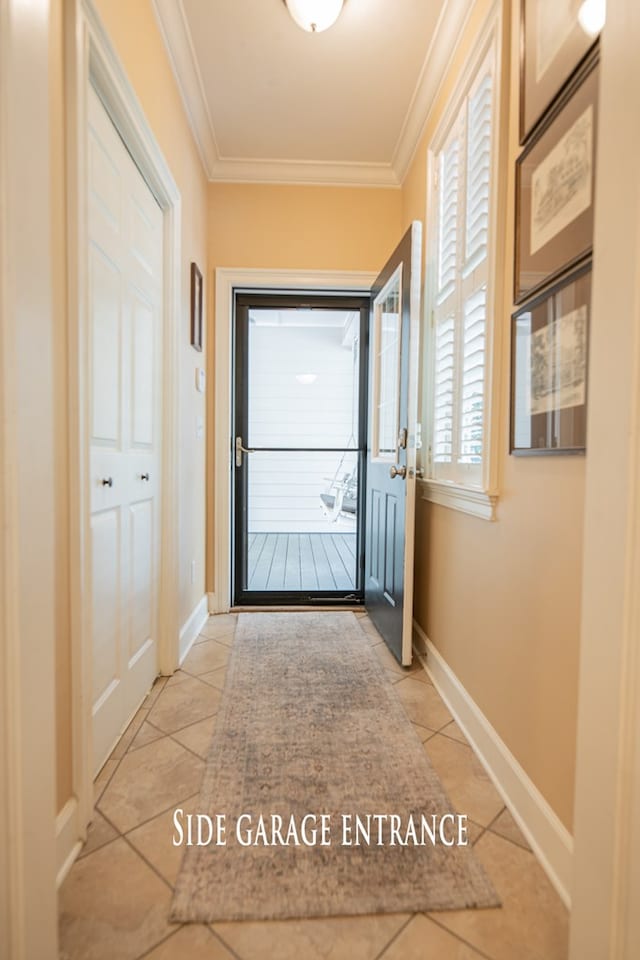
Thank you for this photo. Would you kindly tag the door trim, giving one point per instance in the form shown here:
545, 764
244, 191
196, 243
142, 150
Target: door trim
91, 60
28, 498
229, 280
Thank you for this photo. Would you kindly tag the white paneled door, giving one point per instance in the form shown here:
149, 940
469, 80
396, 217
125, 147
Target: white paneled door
125, 320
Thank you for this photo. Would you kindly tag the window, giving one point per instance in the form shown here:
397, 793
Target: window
462, 170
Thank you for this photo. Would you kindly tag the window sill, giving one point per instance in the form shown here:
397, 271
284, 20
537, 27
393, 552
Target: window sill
469, 500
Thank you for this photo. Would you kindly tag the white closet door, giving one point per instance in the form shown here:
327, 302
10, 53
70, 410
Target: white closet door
125, 317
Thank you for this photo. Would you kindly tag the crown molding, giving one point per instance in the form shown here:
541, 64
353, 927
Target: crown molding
446, 37
179, 46
312, 173
177, 40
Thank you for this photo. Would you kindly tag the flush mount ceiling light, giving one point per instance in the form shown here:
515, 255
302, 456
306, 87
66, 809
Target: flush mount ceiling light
314, 16
306, 377
592, 15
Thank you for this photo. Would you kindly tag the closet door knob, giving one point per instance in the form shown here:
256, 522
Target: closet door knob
144, 476
107, 482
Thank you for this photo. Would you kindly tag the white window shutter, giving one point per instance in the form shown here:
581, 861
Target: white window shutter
444, 360
472, 377
478, 172
449, 184
462, 238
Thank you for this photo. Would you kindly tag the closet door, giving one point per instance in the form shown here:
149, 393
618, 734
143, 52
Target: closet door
125, 317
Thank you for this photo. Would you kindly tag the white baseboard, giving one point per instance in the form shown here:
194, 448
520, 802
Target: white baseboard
549, 838
68, 846
193, 626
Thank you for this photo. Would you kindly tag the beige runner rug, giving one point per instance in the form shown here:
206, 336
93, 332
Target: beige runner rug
311, 737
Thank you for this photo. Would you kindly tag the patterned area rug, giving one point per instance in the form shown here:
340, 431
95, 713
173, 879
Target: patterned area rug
311, 735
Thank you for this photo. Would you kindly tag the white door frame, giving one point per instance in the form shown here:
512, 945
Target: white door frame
91, 59
28, 909
605, 921
228, 281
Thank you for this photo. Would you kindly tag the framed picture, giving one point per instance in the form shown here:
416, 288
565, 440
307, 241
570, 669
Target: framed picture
555, 182
552, 46
196, 308
549, 353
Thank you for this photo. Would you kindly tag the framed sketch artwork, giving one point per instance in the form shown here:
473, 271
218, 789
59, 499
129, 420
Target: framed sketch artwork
549, 353
196, 308
555, 182
553, 44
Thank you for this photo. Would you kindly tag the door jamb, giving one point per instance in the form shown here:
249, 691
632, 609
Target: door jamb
28, 915
91, 59
228, 281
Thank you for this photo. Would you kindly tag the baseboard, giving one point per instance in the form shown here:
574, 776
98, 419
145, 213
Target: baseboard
548, 837
193, 626
68, 846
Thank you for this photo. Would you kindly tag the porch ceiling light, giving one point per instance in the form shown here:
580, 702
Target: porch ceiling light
592, 15
314, 16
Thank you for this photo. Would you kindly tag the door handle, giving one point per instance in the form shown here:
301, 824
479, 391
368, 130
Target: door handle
397, 471
240, 450
107, 482
145, 476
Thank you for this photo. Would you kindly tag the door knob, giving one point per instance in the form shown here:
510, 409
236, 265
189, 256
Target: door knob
144, 476
107, 482
397, 471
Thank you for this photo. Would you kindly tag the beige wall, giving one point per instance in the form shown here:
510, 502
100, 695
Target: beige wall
134, 33
501, 601
296, 228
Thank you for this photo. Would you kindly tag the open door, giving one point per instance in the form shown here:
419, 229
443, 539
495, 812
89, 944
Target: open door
391, 450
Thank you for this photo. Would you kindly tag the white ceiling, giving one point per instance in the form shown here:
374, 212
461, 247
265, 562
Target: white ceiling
269, 102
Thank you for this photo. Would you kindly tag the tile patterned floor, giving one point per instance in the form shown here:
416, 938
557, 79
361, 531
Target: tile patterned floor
115, 902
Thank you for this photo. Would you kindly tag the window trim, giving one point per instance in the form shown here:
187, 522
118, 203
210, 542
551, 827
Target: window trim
477, 500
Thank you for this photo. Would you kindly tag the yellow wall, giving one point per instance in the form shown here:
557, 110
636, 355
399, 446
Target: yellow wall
134, 33
299, 227
501, 601
296, 228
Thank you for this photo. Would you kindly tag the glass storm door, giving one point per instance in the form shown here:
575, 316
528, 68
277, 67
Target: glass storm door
299, 448
391, 457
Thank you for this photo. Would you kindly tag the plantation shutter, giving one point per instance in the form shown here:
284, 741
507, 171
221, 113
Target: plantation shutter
463, 186
478, 170
444, 316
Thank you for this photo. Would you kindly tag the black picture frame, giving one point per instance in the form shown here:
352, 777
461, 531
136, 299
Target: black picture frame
549, 364
553, 45
196, 308
555, 189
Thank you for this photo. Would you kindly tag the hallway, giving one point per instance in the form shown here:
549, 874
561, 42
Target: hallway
457, 454
115, 901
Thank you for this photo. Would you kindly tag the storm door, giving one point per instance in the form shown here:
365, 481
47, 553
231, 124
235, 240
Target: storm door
299, 448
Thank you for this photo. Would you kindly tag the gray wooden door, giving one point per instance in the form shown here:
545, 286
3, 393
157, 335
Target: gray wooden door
392, 442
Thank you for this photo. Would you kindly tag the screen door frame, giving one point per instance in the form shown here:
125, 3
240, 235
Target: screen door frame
244, 301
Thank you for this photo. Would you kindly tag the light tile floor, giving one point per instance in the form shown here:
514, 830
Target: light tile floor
114, 904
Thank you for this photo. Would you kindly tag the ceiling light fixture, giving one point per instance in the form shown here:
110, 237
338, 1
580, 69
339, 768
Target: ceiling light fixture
306, 378
592, 15
314, 16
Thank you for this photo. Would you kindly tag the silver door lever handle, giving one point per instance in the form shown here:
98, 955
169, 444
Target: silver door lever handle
240, 450
397, 471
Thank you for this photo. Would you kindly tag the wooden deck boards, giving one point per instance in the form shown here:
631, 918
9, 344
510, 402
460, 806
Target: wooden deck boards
302, 561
